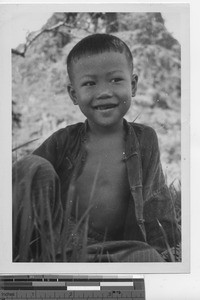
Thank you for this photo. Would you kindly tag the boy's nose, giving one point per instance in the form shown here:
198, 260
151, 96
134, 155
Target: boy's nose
104, 92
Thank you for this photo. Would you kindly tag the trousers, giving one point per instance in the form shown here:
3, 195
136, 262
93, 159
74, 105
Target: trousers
43, 231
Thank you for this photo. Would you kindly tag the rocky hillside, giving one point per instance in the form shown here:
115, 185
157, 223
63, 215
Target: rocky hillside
39, 89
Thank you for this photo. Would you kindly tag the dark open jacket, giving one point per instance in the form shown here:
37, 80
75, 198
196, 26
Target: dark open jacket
150, 202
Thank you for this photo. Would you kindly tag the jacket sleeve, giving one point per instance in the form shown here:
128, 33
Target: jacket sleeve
159, 210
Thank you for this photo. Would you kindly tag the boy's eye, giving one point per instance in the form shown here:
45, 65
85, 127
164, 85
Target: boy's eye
117, 79
88, 83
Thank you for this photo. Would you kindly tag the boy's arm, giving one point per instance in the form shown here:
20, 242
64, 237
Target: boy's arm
159, 212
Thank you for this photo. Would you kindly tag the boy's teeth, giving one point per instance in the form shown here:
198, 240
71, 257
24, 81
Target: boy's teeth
103, 107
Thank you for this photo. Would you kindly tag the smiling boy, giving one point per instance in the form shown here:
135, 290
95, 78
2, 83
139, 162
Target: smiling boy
102, 86
107, 165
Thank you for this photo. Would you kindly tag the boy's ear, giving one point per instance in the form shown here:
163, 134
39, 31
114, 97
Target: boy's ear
72, 93
134, 84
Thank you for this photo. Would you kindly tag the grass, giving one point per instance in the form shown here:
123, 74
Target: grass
174, 254
37, 246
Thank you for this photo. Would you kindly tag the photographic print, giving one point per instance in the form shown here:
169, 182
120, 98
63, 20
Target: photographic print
97, 141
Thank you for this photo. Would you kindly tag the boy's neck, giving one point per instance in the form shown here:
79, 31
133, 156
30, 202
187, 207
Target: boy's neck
101, 131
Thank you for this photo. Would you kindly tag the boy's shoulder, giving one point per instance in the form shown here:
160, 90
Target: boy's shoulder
69, 130
146, 136
142, 131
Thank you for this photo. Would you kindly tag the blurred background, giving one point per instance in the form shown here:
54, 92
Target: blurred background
41, 105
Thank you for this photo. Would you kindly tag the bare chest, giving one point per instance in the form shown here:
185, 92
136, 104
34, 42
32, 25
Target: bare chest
103, 185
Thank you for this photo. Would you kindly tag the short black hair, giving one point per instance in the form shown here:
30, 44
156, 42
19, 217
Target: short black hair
95, 44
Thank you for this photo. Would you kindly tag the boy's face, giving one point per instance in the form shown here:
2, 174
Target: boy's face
103, 85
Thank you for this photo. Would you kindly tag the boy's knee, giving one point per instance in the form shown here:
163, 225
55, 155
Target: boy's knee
31, 166
43, 166
34, 178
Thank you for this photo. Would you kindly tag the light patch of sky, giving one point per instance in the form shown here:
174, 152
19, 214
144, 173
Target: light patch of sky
173, 24
24, 23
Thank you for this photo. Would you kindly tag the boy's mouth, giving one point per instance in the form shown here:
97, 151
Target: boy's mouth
105, 106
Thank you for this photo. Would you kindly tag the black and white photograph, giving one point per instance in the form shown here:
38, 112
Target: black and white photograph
99, 153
